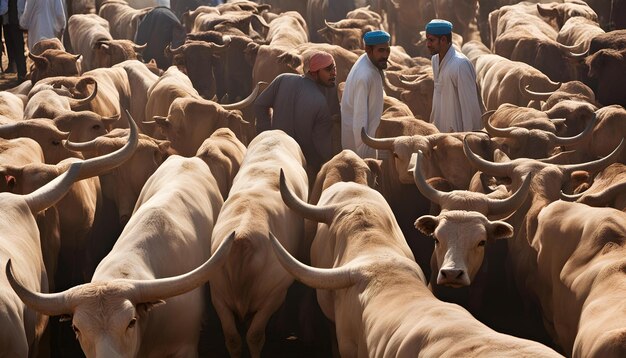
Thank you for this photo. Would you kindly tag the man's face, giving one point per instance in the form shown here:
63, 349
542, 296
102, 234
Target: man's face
326, 76
378, 54
433, 42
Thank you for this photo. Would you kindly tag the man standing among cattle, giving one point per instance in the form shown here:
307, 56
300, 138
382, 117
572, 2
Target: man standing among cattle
362, 100
300, 109
456, 105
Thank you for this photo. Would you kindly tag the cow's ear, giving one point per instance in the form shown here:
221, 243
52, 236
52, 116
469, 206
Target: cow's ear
162, 122
499, 230
144, 307
547, 10
376, 172
427, 224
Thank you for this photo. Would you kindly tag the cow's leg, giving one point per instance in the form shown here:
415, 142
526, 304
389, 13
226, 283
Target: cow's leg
256, 331
229, 326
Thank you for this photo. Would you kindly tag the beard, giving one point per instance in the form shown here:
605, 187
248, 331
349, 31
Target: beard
382, 64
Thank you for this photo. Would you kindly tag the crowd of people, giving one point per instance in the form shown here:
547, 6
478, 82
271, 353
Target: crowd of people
300, 103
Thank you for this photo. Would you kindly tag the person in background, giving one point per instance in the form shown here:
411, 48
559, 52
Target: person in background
362, 100
43, 20
456, 103
14, 37
300, 108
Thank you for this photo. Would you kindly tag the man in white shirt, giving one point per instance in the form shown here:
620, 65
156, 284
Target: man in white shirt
362, 100
456, 104
43, 20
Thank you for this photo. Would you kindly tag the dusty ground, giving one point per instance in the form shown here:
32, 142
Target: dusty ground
9, 80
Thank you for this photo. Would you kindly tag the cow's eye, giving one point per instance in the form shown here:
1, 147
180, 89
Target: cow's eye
132, 323
482, 243
96, 126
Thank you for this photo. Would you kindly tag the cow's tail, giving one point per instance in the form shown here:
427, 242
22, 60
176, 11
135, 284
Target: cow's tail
245, 263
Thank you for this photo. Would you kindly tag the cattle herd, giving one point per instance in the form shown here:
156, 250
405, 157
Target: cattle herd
142, 215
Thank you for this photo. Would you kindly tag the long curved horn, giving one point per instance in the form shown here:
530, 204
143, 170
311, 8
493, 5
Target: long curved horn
215, 48
98, 165
595, 165
603, 197
412, 83
570, 47
496, 169
327, 279
428, 191
570, 197
81, 102
538, 96
162, 288
507, 206
312, 212
377, 143
55, 190
495, 131
556, 140
36, 58
138, 48
246, 101
577, 56
175, 51
93, 144
51, 304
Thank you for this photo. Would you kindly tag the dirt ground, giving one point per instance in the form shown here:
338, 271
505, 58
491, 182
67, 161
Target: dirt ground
9, 80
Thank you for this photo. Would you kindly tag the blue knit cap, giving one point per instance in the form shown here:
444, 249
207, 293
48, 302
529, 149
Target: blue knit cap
438, 27
376, 37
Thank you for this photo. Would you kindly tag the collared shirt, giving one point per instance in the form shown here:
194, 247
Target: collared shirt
300, 109
361, 106
456, 106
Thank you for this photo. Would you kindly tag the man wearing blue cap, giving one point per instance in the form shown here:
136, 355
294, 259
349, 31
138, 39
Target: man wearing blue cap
362, 100
456, 104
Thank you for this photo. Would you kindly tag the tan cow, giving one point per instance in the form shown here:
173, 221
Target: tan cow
607, 189
501, 80
20, 249
121, 312
223, 153
190, 121
90, 37
462, 229
562, 12
581, 259
171, 85
369, 284
11, 108
45, 133
123, 19
286, 32
124, 184
51, 63
140, 79
442, 151
67, 225
546, 184
527, 38
252, 285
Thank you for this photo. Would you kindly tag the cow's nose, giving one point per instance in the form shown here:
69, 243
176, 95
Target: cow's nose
452, 274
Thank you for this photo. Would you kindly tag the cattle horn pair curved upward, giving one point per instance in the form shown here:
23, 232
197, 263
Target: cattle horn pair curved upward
139, 291
497, 207
505, 169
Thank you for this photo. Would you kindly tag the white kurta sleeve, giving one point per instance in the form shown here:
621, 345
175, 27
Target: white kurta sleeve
360, 114
468, 97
